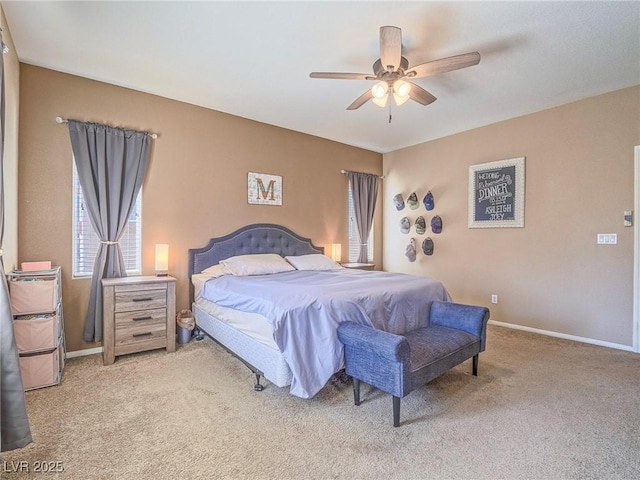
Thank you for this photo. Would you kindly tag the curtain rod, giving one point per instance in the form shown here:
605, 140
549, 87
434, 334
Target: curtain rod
64, 120
344, 172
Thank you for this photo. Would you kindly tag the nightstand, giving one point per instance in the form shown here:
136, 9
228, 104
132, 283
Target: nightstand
359, 266
138, 314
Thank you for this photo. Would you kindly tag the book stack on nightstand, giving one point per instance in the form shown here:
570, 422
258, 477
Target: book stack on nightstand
38, 325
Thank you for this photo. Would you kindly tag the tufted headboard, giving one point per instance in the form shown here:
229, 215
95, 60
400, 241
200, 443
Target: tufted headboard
257, 238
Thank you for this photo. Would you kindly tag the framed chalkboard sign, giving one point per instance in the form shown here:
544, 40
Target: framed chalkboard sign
496, 194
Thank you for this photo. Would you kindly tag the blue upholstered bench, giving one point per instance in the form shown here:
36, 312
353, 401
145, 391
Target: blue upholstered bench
398, 364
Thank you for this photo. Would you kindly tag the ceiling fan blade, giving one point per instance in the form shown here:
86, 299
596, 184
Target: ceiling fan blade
361, 100
420, 95
390, 47
342, 76
444, 65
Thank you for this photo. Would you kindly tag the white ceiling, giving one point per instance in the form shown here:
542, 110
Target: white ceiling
253, 59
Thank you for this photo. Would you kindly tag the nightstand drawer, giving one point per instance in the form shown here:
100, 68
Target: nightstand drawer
127, 300
126, 320
141, 327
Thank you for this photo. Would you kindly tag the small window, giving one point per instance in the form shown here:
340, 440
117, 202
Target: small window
354, 237
86, 242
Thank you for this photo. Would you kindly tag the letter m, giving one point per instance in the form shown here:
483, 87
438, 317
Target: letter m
265, 192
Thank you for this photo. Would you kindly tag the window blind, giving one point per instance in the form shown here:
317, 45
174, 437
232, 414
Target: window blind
354, 237
86, 242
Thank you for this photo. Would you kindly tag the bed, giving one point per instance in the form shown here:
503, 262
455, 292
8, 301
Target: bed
283, 325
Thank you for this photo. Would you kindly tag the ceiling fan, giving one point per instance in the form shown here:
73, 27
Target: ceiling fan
392, 72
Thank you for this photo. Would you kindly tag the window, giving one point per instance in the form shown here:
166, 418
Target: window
86, 242
354, 237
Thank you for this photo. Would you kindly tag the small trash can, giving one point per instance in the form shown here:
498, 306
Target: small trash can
185, 325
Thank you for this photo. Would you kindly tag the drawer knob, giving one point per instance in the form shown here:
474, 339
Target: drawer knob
144, 299
137, 319
142, 334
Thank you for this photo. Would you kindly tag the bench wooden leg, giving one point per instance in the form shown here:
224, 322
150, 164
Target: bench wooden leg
396, 411
356, 391
475, 365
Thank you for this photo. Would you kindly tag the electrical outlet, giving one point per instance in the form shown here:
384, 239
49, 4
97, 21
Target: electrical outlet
494, 298
607, 239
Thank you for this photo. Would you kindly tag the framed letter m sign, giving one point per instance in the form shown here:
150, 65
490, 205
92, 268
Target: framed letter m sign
264, 189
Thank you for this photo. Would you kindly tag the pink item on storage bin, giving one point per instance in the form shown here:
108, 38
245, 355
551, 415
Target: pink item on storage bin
36, 332
32, 296
30, 266
40, 370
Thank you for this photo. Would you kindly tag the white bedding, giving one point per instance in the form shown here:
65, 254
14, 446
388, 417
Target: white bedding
198, 280
252, 324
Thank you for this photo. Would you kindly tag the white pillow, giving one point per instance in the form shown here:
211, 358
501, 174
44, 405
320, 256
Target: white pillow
314, 261
260, 264
215, 271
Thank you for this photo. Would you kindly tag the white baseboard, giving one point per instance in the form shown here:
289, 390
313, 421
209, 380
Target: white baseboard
575, 338
82, 353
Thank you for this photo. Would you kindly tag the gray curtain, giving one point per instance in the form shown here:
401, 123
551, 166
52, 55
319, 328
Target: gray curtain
14, 423
364, 189
111, 164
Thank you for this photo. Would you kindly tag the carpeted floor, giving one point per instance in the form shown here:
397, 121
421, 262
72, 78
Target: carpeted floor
541, 408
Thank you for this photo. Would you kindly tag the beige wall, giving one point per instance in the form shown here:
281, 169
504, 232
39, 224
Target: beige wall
10, 161
196, 184
550, 274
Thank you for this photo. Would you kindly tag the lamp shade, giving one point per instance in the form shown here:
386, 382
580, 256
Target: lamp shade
401, 91
336, 251
400, 100
162, 257
380, 92
381, 102
402, 88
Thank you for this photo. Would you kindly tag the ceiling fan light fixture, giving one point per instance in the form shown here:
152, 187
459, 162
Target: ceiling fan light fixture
381, 102
380, 90
401, 88
401, 91
400, 100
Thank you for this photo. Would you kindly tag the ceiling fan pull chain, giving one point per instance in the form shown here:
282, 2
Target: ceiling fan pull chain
390, 112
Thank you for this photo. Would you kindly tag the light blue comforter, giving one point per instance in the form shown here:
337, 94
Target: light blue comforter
305, 308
